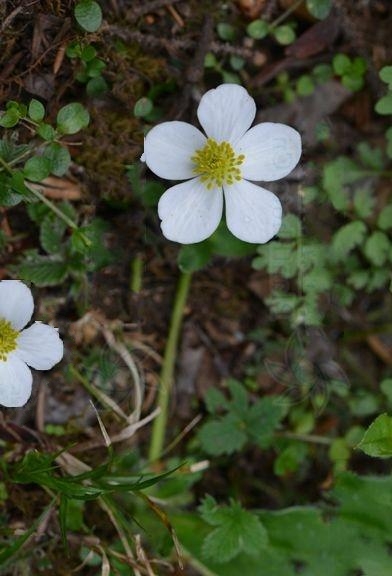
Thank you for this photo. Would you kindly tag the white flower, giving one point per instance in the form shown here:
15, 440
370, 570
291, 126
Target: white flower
219, 166
38, 346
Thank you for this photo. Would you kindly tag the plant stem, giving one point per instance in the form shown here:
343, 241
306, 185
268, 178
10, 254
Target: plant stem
136, 274
167, 371
285, 14
312, 438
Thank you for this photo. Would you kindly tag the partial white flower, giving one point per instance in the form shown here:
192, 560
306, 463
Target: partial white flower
221, 165
38, 346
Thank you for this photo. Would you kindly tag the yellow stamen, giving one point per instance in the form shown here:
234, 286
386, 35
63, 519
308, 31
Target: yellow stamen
217, 164
8, 338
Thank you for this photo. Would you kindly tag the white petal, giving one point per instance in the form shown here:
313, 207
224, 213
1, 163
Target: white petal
168, 148
253, 214
226, 112
40, 346
271, 151
15, 382
16, 303
189, 212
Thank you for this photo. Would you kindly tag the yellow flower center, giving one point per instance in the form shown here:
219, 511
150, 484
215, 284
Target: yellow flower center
217, 164
8, 338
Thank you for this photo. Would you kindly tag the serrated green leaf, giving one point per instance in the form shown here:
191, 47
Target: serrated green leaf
316, 280
36, 110
377, 440
238, 531
370, 157
281, 302
358, 279
278, 257
43, 271
291, 227
72, 118
364, 202
214, 400
347, 238
336, 176
223, 436
377, 248
319, 8
263, 418
88, 15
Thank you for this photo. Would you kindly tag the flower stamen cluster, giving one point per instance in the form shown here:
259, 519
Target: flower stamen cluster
8, 338
217, 164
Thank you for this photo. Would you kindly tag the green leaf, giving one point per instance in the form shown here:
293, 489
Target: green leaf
88, 15
223, 436
347, 238
257, 29
386, 74
278, 257
388, 136
319, 8
43, 271
97, 86
317, 280
37, 168
72, 118
51, 234
36, 110
385, 218
236, 530
143, 107
337, 175
364, 202
46, 131
284, 34
59, 158
358, 279
290, 459
305, 85
281, 302
214, 400
194, 257
291, 227
10, 118
226, 31
341, 64
322, 72
353, 82
377, 440
210, 60
386, 388
225, 244
263, 418
377, 248
384, 105
370, 157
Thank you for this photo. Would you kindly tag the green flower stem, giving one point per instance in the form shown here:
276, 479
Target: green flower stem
169, 360
136, 280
